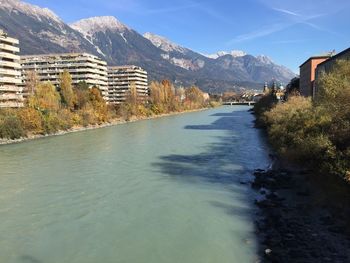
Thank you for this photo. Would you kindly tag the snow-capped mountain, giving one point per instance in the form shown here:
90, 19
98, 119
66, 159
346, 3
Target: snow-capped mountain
233, 65
41, 31
118, 44
265, 59
164, 44
92, 25
176, 54
233, 53
15, 6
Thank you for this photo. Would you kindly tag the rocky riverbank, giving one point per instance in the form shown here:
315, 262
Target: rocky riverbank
92, 127
302, 217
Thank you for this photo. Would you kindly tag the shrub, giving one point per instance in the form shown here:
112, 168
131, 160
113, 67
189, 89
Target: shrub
296, 130
10, 126
265, 104
316, 133
31, 120
66, 119
52, 123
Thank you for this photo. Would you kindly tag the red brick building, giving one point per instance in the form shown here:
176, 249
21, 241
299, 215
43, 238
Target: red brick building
307, 74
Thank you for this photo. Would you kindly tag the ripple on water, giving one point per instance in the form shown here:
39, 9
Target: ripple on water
163, 190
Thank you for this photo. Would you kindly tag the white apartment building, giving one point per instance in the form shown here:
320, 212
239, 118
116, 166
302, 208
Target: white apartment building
83, 67
121, 79
10, 73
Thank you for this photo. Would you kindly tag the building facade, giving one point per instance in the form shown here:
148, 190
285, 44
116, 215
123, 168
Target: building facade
122, 78
307, 74
10, 73
83, 67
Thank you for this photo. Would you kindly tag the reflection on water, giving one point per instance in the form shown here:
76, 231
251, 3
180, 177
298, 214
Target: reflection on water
164, 190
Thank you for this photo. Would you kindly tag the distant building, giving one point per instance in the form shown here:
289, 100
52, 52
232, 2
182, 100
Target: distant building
122, 78
327, 66
307, 74
258, 96
266, 88
10, 73
206, 96
83, 67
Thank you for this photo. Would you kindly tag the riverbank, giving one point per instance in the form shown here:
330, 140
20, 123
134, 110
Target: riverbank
114, 122
302, 217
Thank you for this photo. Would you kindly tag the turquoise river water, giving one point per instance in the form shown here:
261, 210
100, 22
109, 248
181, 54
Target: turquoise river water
164, 190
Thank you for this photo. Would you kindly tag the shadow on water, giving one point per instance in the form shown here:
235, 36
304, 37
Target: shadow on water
229, 162
29, 259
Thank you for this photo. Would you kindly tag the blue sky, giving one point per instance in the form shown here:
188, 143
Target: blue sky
289, 31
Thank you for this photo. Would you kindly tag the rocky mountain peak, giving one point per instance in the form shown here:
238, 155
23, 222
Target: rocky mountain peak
17, 6
233, 53
163, 43
92, 25
265, 59
41, 31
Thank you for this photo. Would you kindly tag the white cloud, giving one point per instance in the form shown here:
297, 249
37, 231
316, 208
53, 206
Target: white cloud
259, 33
285, 11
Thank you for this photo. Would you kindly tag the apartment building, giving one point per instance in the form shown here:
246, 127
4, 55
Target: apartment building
10, 73
122, 78
307, 74
83, 67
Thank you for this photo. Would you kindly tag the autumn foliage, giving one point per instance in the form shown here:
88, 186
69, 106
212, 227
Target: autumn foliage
50, 109
314, 132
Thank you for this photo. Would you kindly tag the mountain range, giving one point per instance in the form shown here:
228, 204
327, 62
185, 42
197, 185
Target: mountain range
41, 31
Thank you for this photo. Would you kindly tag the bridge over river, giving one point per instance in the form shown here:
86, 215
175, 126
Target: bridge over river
238, 103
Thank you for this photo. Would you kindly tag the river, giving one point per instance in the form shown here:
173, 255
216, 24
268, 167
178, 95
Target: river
164, 190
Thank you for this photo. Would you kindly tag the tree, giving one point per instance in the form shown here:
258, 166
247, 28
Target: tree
45, 98
163, 97
293, 88
32, 81
66, 90
132, 97
132, 100
333, 97
180, 93
81, 94
99, 104
82, 85
194, 96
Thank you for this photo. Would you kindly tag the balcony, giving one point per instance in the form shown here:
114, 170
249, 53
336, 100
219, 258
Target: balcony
10, 89
10, 72
9, 55
59, 65
11, 96
9, 48
9, 40
14, 65
10, 80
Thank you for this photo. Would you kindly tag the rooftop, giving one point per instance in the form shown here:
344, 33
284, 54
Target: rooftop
125, 67
60, 55
336, 56
325, 56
